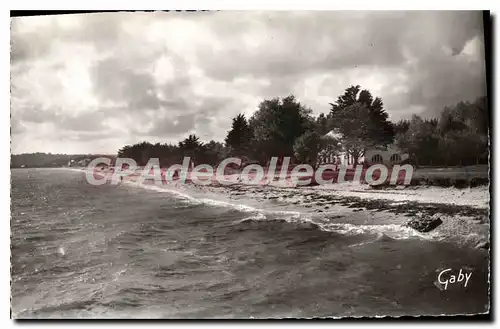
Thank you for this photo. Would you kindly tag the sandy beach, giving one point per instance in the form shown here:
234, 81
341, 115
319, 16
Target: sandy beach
462, 214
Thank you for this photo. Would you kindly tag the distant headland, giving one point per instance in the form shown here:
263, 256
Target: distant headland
51, 160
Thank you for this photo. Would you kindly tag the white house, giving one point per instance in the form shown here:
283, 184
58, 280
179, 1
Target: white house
386, 155
389, 155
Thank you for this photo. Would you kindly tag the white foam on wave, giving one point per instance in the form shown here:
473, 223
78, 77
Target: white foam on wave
380, 237
193, 200
75, 169
178, 194
212, 202
219, 203
393, 231
257, 217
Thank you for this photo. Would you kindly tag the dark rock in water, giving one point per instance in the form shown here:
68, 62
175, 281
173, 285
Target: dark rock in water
483, 245
384, 238
359, 209
425, 224
309, 226
327, 207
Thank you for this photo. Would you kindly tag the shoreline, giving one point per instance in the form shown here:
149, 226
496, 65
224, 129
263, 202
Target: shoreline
457, 221
462, 215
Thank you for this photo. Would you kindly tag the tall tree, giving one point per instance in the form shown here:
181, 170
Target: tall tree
307, 148
191, 147
213, 152
401, 127
330, 148
421, 140
276, 125
240, 137
361, 120
322, 127
314, 148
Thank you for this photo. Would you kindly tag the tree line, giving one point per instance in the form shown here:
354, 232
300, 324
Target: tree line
283, 127
458, 137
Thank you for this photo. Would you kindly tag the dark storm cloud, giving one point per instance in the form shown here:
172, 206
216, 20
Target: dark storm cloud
88, 121
297, 44
114, 82
332, 41
173, 126
198, 118
124, 79
446, 83
168, 75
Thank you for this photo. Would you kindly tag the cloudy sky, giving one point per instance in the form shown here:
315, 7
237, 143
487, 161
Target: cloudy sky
92, 83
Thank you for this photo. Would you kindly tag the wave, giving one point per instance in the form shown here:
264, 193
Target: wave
258, 217
383, 232
211, 202
178, 194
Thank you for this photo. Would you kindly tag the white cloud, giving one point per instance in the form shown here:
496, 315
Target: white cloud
91, 83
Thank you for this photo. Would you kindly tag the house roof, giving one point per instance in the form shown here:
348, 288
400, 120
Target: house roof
334, 134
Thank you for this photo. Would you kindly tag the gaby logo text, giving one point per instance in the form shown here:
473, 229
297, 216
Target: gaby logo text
446, 277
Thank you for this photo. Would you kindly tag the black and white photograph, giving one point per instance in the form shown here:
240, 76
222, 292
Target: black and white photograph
219, 164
